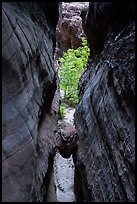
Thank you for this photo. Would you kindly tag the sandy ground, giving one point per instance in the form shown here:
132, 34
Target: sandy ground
61, 188
64, 178
64, 169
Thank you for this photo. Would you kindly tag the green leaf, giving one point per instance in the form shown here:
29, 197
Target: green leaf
72, 65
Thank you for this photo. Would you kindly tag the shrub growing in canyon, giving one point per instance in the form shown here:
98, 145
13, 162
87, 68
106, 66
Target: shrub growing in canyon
62, 110
72, 65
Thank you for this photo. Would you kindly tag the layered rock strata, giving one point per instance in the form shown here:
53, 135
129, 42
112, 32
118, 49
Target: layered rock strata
104, 118
29, 102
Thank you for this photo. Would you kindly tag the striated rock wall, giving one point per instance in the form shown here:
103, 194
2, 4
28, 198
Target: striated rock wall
104, 118
29, 102
106, 18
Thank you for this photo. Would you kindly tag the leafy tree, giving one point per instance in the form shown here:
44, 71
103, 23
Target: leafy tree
72, 65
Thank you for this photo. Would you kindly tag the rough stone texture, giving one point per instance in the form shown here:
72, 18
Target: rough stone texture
64, 168
104, 118
69, 30
66, 139
29, 102
103, 17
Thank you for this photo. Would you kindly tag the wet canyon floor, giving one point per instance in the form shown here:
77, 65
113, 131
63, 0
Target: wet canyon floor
61, 187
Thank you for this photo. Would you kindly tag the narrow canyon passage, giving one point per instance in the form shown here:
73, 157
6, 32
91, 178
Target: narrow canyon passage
68, 101
61, 186
64, 168
62, 179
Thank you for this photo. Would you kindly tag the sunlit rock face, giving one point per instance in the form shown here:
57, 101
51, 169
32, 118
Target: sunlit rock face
69, 30
104, 118
29, 82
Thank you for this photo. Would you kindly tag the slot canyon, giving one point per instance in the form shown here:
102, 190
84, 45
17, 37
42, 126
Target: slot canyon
89, 155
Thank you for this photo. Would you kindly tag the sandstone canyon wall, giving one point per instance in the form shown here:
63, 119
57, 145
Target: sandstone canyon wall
104, 118
69, 30
29, 99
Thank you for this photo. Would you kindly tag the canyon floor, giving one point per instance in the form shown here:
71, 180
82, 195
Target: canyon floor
61, 187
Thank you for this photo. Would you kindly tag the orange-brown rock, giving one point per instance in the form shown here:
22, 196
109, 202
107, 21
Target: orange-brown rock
69, 30
66, 139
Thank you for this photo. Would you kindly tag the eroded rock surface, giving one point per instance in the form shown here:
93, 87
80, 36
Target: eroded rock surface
63, 161
104, 119
29, 82
69, 30
66, 139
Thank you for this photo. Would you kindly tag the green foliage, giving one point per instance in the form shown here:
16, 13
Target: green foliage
62, 110
72, 65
